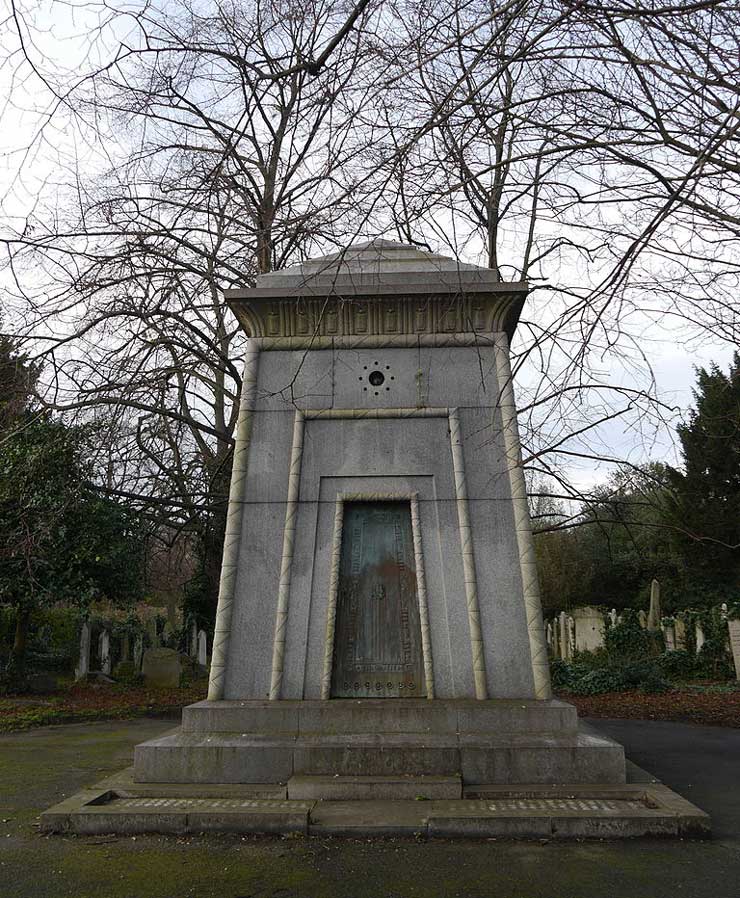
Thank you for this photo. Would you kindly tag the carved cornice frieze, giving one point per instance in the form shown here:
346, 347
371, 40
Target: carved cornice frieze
381, 316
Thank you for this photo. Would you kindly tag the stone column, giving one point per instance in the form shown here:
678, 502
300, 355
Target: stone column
83, 666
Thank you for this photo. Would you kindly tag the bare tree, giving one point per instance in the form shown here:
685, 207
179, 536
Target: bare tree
589, 147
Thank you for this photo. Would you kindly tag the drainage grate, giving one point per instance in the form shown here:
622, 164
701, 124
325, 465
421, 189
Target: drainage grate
211, 804
501, 805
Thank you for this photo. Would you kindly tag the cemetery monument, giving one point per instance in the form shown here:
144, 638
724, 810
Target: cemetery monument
379, 632
379, 608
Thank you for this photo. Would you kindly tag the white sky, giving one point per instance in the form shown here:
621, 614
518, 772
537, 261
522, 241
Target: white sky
673, 362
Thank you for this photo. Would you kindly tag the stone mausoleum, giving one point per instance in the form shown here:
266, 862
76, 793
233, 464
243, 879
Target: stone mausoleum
379, 615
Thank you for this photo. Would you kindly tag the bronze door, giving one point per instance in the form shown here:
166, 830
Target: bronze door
377, 638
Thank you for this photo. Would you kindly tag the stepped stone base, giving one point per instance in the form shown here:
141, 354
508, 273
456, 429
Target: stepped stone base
495, 742
119, 805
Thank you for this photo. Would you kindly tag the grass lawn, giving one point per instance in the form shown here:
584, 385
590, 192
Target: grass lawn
78, 702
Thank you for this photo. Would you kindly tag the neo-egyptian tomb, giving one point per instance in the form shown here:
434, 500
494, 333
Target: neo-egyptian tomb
379, 611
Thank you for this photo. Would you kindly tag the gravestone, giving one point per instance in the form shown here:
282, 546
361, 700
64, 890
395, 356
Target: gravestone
564, 636
734, 628
379, 609
654, 616
202, 648
161, 668
589, 628
138, 651
104, 652
680, 633
83, 665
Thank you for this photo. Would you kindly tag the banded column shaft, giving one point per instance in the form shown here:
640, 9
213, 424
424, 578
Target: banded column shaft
522, 522
331, 618
286, 565
421, 591
234, 517
468, 557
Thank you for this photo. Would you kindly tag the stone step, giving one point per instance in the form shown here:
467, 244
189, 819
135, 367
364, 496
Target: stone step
381, 716
611, 812
478, 757
374, 788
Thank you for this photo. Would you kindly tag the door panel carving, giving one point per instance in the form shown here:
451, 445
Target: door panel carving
377, 643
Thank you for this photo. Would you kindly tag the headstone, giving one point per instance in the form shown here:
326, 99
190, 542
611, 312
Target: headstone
125, 647
654, 616
161, 668
104, 651
734, 628
642, 618
699, 637
202, 648
153, 632
669, 636
571, 636
589, 628
138, 651
83, 665
613, 617
679, 626
564, 636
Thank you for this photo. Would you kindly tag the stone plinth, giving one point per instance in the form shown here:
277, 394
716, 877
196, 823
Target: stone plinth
495, 741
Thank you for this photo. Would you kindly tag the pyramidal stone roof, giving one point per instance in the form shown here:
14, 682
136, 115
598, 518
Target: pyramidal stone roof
379, 287
377, 267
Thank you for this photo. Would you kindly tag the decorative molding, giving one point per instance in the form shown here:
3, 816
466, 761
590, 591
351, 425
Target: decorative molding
522, 523
471, 588
421, 583
234, 517
336, 316
361, 413
375, 341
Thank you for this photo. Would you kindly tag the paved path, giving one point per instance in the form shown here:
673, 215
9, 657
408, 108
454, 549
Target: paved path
39, 767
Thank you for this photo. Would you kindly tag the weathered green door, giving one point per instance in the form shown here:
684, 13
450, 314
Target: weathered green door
377, 642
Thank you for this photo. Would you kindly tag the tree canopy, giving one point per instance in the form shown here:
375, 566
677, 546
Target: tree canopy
61, 539
679, 525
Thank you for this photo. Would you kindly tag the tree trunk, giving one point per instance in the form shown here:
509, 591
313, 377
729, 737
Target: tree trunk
18, 655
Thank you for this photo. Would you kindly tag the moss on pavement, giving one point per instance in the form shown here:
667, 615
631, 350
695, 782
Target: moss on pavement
40, 767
